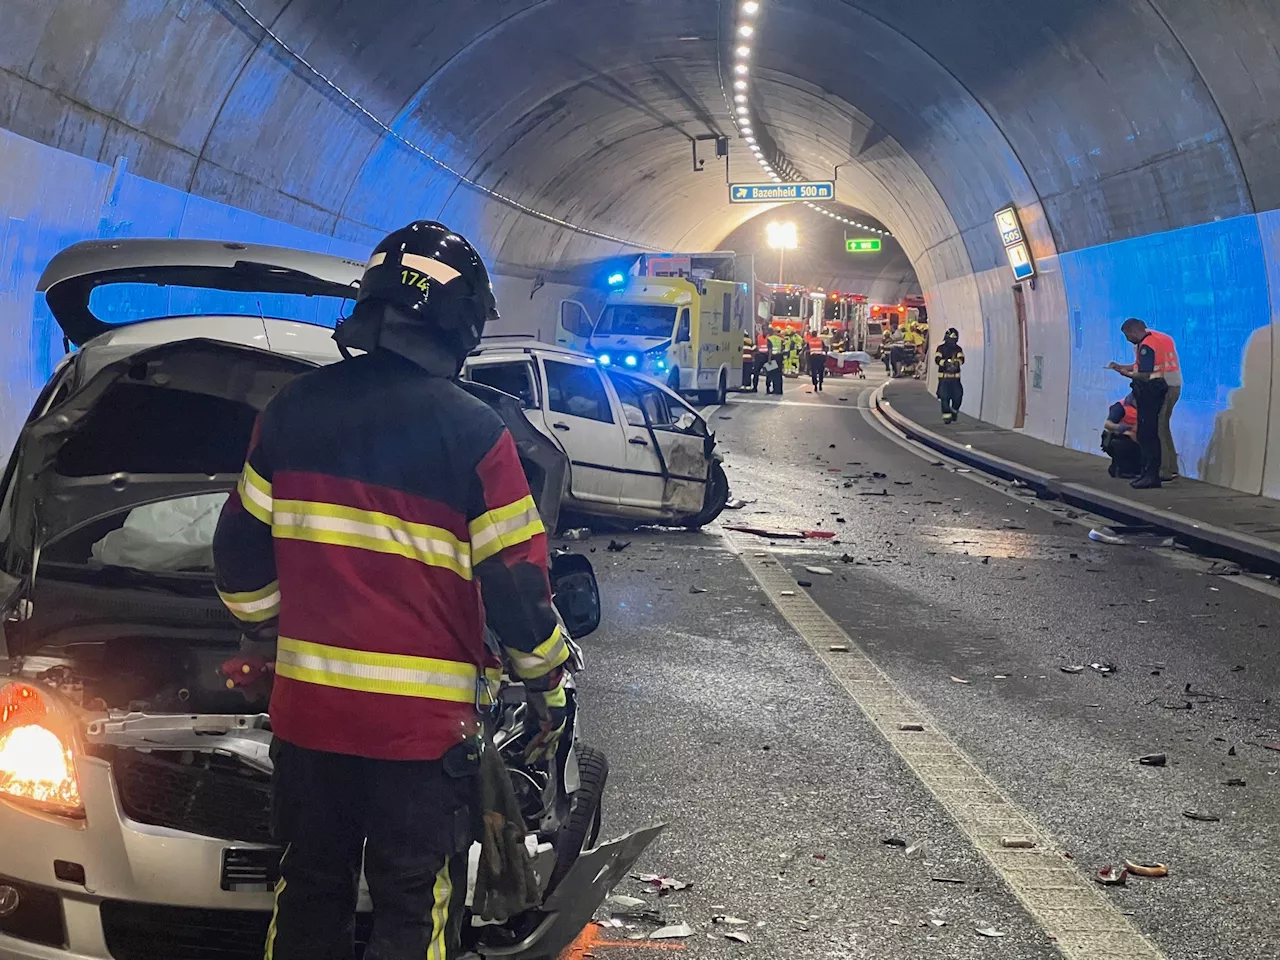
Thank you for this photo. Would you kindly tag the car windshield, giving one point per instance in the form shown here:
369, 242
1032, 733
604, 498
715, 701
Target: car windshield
637, 320
124, 303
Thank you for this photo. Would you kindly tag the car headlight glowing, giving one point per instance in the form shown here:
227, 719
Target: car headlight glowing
605, 359
36, 766
630, 360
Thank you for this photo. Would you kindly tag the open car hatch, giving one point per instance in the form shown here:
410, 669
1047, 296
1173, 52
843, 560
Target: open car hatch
71, 277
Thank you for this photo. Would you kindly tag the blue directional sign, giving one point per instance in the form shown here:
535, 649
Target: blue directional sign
781, 192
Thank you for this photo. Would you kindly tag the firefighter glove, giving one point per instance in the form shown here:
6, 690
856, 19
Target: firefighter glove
551, 709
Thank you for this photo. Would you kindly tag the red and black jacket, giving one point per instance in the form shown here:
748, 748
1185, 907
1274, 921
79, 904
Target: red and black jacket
381, 518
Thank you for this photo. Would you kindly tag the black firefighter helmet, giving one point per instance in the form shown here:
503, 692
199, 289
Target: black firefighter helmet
434, 283
952, 335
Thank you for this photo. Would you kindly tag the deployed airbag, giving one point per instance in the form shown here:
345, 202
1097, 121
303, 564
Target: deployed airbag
164, 537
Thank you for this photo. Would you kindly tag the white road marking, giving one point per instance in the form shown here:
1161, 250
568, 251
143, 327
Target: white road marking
795, 403
1067, 905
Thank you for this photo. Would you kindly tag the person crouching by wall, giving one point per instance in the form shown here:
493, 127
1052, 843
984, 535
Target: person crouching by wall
1119, 439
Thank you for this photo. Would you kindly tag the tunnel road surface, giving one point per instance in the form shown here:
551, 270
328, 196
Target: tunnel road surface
777, 757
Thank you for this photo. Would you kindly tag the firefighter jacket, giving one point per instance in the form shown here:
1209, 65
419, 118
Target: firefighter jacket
381, 518
949, 358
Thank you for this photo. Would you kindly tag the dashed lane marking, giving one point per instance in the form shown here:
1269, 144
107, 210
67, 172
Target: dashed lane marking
1067, 905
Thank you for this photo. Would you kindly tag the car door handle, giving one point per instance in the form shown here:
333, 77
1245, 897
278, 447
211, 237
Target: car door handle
639, 441
561, 426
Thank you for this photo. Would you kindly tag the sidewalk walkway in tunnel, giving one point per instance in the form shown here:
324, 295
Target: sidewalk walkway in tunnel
1236, 524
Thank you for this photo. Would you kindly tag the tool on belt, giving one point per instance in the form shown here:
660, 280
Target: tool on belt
505, 882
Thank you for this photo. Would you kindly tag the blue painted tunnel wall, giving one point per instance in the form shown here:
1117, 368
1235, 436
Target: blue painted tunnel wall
1214, 287
1207, 286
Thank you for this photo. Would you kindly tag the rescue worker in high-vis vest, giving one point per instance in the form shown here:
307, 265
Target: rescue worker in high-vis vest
817, 350
761, 358
1157, 384
773, 366
748, 359
794, 344
1119, 439
948, 357
381, 520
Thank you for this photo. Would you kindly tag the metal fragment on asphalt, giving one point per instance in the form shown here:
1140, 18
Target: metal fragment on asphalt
677, 931
988, 932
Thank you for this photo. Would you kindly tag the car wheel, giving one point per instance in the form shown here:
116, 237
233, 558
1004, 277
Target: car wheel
716, 497
582, 828
722, 392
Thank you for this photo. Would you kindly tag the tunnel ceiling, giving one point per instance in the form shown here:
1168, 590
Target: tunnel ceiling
1105, 119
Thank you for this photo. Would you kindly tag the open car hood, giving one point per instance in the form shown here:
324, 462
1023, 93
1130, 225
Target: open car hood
174, 421
71, 277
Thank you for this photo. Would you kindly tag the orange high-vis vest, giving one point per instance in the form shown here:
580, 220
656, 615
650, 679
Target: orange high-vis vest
1130, 412
1166, 353
762, 343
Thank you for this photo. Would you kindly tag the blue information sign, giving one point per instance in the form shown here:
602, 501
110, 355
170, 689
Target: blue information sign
781, 192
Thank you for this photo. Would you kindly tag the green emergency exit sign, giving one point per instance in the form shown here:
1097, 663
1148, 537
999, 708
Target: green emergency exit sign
868, 245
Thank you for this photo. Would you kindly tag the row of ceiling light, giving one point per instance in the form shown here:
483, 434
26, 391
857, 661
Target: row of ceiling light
746, 30
845, 220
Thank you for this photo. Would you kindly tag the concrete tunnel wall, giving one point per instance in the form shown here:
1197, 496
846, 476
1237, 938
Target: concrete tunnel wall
1139, 139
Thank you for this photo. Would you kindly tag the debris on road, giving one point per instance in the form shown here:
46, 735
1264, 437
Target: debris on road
1146, 869
1073, 669
895, 842
821, 571
622, 900
736, 936
1201, 817
958, 680
951, 880
617, 546
697, 589
729, 921
988, 932
784, 534
838, 648
805, 583
911, 727
737, 504
577, 533
1234, 782
1153, 760
676, 931
661, 885
1112, 876
1104, 668
1018, 843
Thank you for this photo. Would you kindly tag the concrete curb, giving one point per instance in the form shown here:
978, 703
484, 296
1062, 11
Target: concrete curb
1241, 547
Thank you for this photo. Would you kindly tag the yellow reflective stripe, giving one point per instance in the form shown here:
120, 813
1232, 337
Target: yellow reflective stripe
504, 527
556, 697
255, 493
256, 605
275, 910
442, 893
396, 674
370, 530
544, 658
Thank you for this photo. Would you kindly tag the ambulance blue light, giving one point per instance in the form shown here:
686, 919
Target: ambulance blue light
630, 360
617, 279
605, 359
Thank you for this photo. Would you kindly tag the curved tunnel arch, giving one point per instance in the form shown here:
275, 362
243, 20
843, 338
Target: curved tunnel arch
1137, 137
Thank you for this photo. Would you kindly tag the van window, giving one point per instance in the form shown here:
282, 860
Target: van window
727, 315
574, 318
683, 335
515, 378
577, 391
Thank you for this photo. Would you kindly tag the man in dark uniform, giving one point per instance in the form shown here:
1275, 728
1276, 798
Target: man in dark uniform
1155, 366
382, 519
949, 358
1118, 441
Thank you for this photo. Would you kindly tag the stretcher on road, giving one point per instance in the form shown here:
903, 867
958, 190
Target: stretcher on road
847, 364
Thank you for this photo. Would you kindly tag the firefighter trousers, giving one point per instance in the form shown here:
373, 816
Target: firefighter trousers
951, 395
410, 822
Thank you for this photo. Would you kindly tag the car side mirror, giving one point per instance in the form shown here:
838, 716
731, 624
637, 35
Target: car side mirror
576, 593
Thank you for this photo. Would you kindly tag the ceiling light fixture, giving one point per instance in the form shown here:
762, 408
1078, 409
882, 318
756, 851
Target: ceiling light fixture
739, 84
750, 8
746, 30
740, 69
743, 52
740, 98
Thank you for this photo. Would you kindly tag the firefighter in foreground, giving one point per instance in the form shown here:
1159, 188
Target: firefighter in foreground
949, 358
382, 517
